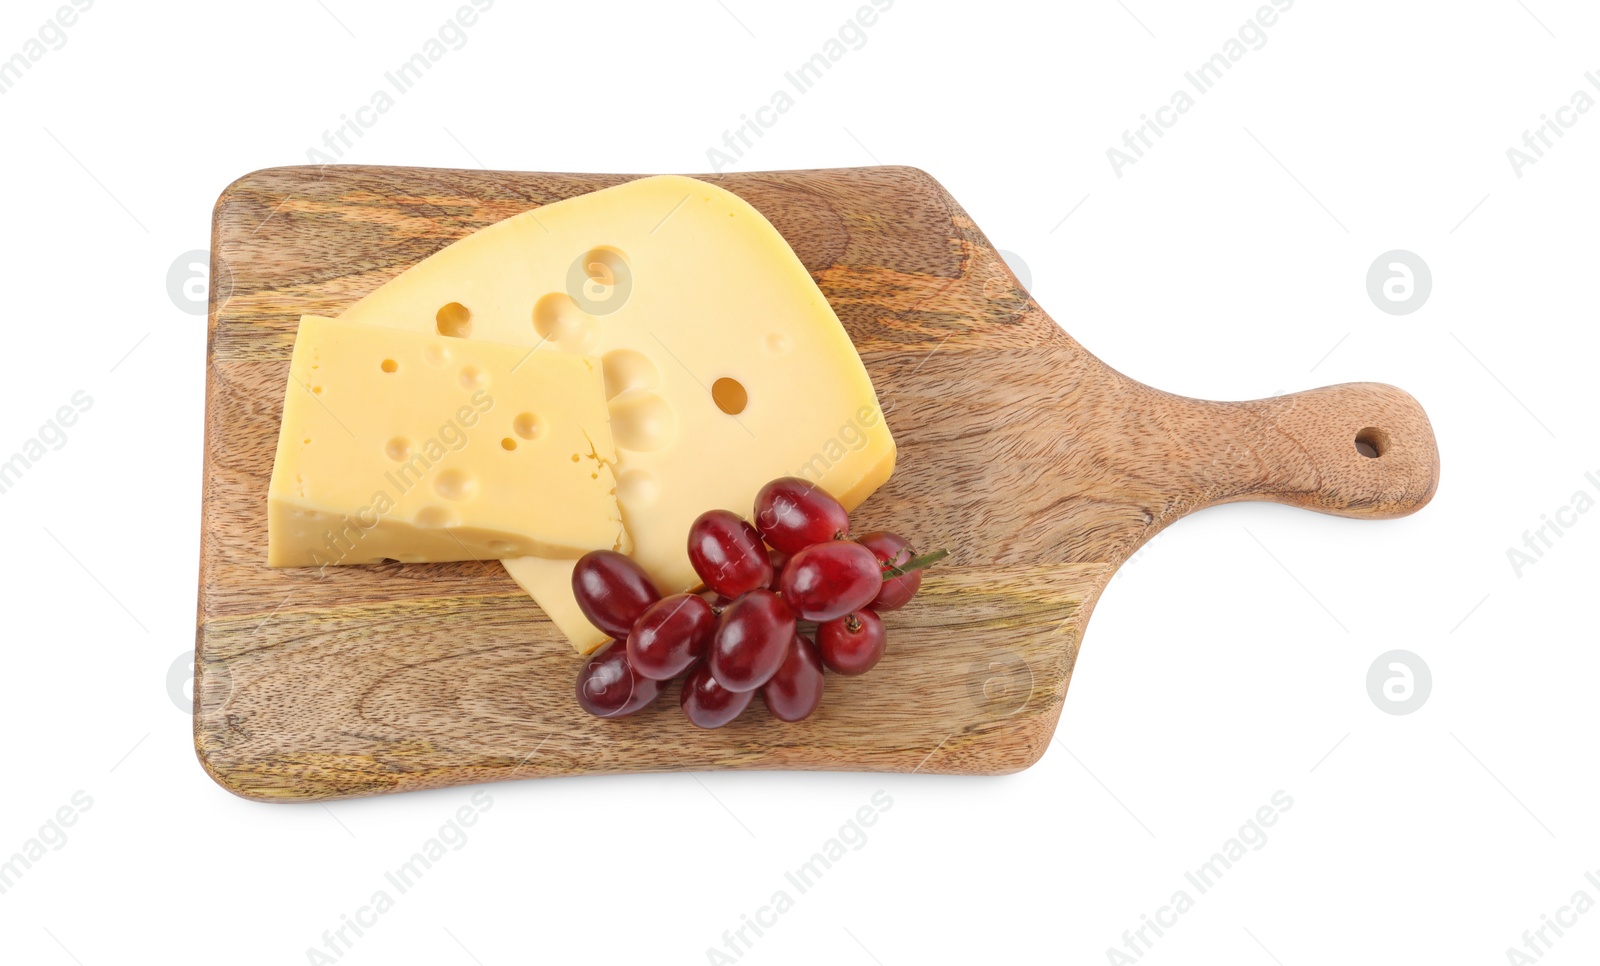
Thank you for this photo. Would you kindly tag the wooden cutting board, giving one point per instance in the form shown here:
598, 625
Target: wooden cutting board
1040, 468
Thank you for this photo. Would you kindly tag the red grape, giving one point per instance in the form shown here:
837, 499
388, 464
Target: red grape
706, 703
671, 635
608, 687
830, 580
612, 591
792, 514
796, 690
716, 600
853, 643
891, 549
752, 639
778, 558
726, 552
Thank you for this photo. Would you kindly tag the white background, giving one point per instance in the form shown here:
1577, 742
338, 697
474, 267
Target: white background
1228, 661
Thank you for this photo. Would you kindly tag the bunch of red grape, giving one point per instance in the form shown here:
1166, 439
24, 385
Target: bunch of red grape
797, 565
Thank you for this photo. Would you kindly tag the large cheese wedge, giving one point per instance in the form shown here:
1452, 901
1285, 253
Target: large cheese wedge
724, 365
417, 447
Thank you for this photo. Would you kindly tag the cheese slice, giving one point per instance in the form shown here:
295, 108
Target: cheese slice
420, 447
724, 365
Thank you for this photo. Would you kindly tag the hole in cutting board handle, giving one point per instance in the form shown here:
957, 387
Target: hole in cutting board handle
1372, 442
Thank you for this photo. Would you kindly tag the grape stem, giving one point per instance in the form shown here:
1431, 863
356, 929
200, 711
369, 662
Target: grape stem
891, 571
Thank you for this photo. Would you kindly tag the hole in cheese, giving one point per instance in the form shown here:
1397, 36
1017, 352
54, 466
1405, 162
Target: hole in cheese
643, 421
399, 449
454, 320
626, 369
389, 365
559, 320
456, 485
600, 280
434, 516
638, 488
730, 395
527, 426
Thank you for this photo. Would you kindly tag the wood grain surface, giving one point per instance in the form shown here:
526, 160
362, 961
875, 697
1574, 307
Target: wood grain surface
1041, 468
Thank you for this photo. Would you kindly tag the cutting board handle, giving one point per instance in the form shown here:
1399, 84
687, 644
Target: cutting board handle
1361, 449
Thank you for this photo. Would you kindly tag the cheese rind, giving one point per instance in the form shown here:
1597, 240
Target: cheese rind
724, 365
418, 447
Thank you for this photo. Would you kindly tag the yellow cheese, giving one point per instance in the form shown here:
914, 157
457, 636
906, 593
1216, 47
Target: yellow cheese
418, 447
724, 365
